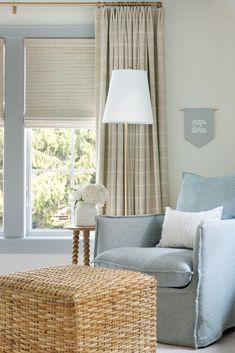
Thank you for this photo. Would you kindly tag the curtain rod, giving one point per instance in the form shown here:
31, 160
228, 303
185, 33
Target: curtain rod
16, 4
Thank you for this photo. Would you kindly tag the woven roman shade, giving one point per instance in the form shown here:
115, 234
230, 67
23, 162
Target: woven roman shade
60, 82
2, 69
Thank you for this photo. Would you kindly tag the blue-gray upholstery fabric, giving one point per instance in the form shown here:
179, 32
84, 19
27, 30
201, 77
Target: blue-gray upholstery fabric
201, 194
129, 231
197, 314
171, 267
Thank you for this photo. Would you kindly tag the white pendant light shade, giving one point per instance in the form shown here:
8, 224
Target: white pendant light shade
128, 98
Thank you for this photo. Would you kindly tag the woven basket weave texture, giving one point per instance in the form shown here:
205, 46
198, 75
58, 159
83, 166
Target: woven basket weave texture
74, 309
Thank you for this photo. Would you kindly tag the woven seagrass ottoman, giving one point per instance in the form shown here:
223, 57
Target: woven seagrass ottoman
73, 309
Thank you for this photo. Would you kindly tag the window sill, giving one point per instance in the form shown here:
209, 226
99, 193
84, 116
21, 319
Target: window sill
37, 245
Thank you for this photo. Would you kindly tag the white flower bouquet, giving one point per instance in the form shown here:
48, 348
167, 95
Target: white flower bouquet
94, 194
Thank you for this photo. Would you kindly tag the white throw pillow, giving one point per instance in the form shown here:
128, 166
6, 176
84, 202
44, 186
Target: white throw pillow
179, 228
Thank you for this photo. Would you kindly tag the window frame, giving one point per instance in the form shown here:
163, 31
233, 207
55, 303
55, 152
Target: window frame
2, 172
14, 237
2, 127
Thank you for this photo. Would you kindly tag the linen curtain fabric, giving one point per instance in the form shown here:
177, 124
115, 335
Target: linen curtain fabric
132, 37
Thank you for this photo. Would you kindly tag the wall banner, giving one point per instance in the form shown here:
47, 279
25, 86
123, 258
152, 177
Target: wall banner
199, 125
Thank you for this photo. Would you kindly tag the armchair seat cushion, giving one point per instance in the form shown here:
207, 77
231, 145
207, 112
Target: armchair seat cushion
172, 267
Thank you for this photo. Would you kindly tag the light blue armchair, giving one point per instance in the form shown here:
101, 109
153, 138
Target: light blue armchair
196, 288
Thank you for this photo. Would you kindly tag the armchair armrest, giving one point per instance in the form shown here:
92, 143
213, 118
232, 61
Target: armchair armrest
214, 271
127, 231
215, 245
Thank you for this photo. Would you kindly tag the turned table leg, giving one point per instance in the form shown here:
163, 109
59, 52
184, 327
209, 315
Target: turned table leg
86, 247
75, 246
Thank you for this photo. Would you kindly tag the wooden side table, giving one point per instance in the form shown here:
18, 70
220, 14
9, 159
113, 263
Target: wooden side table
86, 242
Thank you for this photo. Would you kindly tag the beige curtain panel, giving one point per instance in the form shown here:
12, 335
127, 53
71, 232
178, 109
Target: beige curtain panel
60, 82
2, 80
132, 37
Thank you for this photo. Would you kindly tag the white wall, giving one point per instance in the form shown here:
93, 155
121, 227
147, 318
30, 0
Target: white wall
20, 262
200, 72
48, 15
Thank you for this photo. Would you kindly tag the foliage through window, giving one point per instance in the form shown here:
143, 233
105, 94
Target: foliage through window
61, 159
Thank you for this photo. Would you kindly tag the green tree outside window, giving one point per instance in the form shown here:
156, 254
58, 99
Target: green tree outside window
61, 158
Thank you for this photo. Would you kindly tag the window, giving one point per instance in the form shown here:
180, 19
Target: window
60, 160
38, 97
2, 79
60, 110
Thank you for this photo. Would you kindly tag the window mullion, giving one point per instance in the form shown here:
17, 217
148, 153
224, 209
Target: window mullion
14, 149
28, 181
72, 165
72, 170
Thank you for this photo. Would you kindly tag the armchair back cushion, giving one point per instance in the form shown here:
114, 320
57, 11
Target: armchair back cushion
201, 194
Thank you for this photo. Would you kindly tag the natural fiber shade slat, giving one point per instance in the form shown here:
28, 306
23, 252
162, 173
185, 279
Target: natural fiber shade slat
60, 82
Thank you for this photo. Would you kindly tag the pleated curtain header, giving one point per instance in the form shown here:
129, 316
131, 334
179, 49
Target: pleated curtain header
60, 82
2, 81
